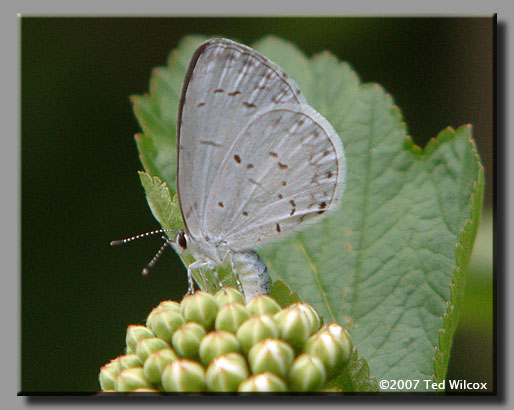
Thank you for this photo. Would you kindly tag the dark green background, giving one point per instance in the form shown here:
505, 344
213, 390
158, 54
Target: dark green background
79, 162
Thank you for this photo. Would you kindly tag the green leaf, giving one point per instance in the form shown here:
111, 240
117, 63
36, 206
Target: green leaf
283, 294
390, 264
164, 207
355, 377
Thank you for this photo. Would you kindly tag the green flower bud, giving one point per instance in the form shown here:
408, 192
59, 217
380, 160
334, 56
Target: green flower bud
271, 355
169, 305
164, 323
263, 383
295, 326
263, 304
258, 339
183, 375
230, 316
146, 347
108, 374
200, 307
315, 317
217, 343
331, 347
134, 334
226, 373
307, 373
186, 340
228, 296
156, 363
129, 361
131, 379
343, 338
255, 329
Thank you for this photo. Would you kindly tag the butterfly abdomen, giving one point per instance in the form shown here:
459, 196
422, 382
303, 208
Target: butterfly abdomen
252, 273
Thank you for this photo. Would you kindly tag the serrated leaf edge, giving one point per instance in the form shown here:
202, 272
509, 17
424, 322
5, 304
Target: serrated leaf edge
450, 317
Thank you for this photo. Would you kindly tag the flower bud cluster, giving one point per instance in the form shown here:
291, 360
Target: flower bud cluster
218, 343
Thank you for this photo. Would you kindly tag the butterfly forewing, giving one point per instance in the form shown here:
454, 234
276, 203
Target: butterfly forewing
226, 85
284, 168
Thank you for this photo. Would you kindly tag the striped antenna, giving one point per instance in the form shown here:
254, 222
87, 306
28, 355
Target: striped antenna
146, 269
143, 235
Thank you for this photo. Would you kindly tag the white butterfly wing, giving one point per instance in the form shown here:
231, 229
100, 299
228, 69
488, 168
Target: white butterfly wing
285, 168
225, 85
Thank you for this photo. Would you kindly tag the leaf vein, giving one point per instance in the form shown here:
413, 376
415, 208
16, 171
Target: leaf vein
317, 279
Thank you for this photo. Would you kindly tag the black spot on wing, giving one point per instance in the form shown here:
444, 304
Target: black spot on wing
293, 204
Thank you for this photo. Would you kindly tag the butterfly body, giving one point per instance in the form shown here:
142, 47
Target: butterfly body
252, 272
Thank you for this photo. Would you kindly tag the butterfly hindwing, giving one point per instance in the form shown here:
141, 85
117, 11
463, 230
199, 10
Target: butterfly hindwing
285, 168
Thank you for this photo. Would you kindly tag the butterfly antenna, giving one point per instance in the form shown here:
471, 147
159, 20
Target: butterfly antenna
143, 235
146, 269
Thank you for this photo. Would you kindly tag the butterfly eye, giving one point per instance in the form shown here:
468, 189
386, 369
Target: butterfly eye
181, 240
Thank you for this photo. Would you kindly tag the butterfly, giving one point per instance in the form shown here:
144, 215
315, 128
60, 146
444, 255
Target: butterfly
255, 162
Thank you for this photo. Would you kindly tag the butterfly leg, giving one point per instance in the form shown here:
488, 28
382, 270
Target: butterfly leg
190, 282
215, 273
239, 285
198, 265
